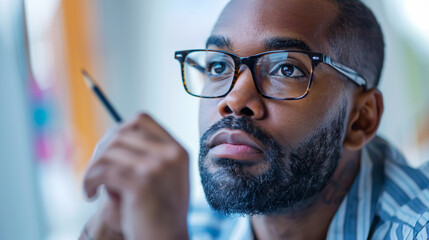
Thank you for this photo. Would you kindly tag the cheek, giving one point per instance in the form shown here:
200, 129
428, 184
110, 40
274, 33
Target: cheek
296, 122
289, 129
208, 114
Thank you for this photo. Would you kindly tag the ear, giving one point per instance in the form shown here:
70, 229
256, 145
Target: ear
364, 119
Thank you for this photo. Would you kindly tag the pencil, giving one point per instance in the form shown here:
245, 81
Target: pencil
97, 90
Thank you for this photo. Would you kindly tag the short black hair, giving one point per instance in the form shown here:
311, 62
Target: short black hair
357, 40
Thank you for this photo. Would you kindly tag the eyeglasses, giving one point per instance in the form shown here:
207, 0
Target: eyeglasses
282, 74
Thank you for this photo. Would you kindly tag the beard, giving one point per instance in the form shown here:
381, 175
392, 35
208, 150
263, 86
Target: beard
291, 182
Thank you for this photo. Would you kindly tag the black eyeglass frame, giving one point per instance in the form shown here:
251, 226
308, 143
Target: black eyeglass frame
251, 61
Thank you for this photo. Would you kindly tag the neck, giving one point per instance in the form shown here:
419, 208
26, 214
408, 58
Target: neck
313, 221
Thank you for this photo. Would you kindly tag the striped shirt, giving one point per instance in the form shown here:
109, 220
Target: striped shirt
388, 200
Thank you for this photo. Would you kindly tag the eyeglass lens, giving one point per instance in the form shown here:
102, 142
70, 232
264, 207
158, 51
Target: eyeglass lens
279, 75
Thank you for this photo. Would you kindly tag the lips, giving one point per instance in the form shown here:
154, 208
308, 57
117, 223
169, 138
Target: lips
235, 144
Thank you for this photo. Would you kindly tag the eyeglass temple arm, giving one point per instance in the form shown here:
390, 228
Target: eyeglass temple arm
349, 73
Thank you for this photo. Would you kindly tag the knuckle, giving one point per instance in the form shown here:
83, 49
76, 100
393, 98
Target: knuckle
101, 164
146, 175
177, 152
124, 172
123, 129
99, 160
141, 171
158, 168
142, 116
134, 123
127, 127
116, 142
183, 153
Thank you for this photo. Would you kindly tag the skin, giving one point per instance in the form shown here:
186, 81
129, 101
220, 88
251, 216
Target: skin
146, 174
247, 25
145, 171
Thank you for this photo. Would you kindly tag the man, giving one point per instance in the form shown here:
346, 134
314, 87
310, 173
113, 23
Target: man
288, 118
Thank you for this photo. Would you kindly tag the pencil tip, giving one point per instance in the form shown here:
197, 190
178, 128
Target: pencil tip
87, 78
83, 71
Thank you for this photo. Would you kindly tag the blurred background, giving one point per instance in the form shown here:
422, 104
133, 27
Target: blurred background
50, 122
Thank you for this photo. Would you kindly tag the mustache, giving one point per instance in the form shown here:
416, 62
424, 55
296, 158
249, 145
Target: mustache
245, 124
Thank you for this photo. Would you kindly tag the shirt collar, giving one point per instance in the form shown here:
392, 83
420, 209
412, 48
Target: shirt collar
356, 213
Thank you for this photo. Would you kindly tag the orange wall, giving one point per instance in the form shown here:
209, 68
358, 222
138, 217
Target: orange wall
77, 34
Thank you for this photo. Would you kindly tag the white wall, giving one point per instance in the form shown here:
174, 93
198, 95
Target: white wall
21, 215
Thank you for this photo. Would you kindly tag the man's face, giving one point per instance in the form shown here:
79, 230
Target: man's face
261, 155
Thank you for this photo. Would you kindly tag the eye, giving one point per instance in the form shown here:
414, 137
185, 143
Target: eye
217, 68
287, 70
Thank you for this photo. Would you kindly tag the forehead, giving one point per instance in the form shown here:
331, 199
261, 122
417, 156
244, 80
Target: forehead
247, 24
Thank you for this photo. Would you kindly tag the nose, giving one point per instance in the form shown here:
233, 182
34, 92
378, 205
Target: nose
244, 99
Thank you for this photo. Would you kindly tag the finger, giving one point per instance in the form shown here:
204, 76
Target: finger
128, 126
151, 128
114, 177
124, 156
131, 142
122, 159
140, 126
143, 146
104, 142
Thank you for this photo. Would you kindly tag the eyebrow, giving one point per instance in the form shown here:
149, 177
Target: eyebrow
277, 43
286, 43
219, 41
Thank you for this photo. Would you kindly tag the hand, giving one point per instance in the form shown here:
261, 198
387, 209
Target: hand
146, 173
